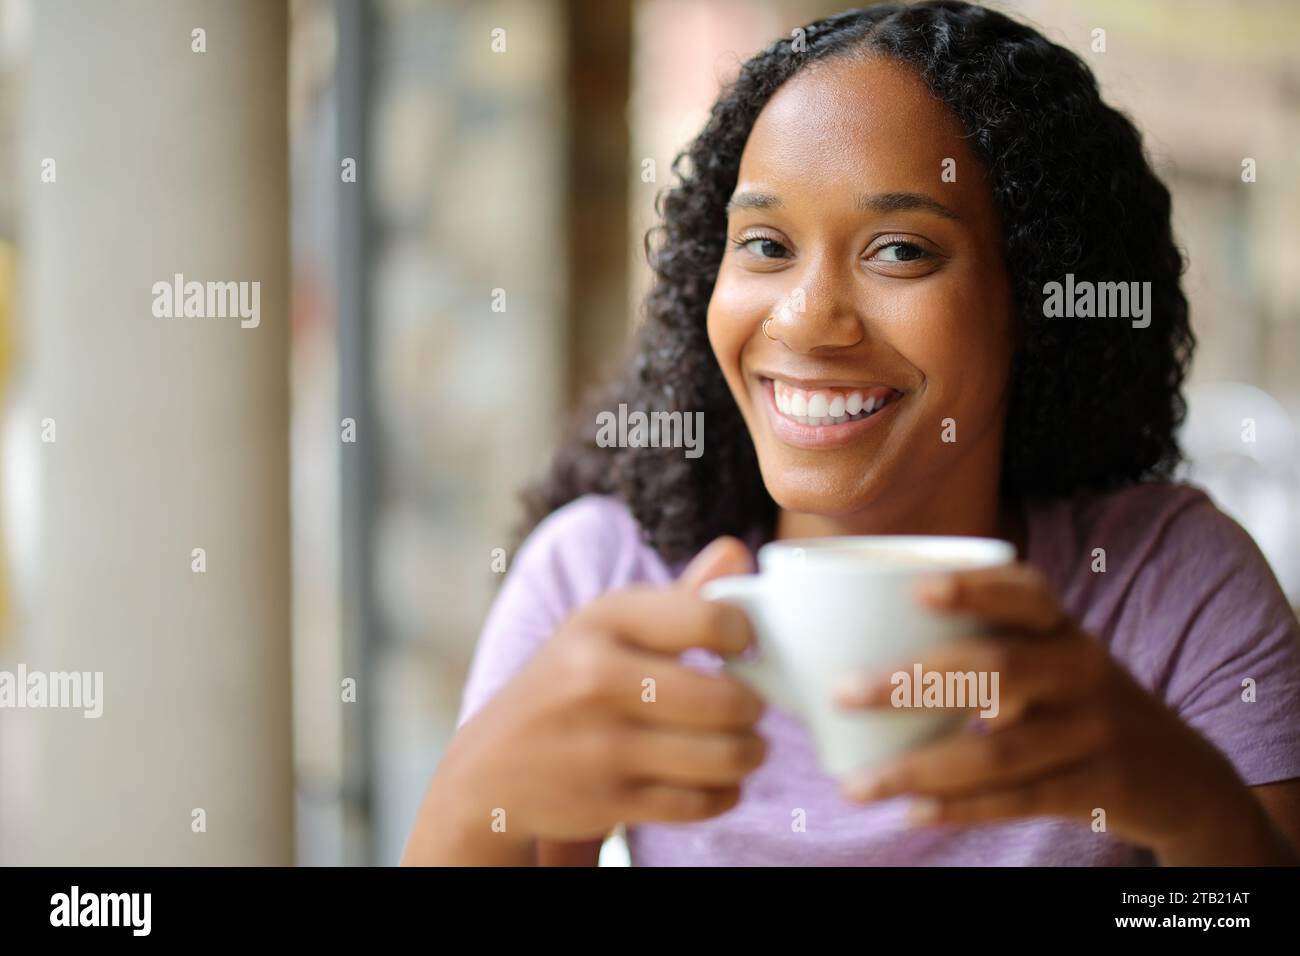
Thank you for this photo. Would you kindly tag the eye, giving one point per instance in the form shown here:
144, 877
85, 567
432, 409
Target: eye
762, 247
901, 252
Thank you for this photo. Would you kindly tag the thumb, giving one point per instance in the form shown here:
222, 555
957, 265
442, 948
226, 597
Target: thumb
723, 556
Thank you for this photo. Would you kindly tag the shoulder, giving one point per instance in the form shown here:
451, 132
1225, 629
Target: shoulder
1138, 510
1139, 531
589, 519
1174, 586
1144, 567
1193, 608
1176, 536
588, 546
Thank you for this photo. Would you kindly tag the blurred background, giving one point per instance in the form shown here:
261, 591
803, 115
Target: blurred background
443, 203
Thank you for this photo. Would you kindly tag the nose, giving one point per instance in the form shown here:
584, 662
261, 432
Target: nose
819, 314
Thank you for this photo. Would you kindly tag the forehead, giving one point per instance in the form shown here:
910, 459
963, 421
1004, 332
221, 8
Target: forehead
854, 123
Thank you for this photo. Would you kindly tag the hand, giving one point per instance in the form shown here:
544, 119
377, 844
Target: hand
571, 747
1074, 732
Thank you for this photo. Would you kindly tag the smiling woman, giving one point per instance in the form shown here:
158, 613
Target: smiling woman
849, 284
960, 183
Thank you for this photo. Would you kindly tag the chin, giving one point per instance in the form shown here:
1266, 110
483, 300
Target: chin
817, 489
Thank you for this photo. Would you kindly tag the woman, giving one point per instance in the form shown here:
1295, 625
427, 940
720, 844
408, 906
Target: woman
851, 286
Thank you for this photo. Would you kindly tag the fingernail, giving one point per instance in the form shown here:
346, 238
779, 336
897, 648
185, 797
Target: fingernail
923, 810
937, 589
855, 689
865, 785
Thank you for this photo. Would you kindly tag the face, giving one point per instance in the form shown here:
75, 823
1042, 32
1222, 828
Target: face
878, 387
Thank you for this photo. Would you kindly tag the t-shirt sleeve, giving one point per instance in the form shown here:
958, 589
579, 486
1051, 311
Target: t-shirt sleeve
1233, 672
575, 554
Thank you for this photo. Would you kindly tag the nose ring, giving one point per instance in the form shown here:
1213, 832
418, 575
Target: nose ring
766, 323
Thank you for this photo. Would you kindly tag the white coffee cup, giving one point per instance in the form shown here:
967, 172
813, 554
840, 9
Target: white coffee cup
826, 608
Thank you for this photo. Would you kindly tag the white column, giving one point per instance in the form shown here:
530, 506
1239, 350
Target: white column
171, 434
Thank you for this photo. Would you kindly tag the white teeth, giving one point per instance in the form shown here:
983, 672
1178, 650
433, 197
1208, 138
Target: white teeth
823, 408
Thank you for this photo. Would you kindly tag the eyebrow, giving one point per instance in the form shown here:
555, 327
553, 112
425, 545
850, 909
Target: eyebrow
881, 202
753, 200
902, 202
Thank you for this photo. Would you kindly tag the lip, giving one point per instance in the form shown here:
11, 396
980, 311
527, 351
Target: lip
820, 436
812, 384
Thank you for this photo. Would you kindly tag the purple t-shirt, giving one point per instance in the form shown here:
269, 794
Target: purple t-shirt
1187, 603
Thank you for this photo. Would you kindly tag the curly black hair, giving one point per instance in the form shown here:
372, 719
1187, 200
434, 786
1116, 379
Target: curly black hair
1093, 405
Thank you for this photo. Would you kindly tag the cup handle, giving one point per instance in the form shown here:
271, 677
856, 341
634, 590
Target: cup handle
763, 673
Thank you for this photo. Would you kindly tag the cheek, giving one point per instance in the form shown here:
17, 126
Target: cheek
958, 334
734, 316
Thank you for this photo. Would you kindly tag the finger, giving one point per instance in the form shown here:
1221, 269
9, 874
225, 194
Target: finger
668, 621
658, 691
901, 690
1017, 674
666, 803
1014, 596
966, 764
723, 556
1010, 711
694, 759
1070, 793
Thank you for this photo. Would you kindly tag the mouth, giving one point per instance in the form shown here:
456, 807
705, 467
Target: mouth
819, 416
